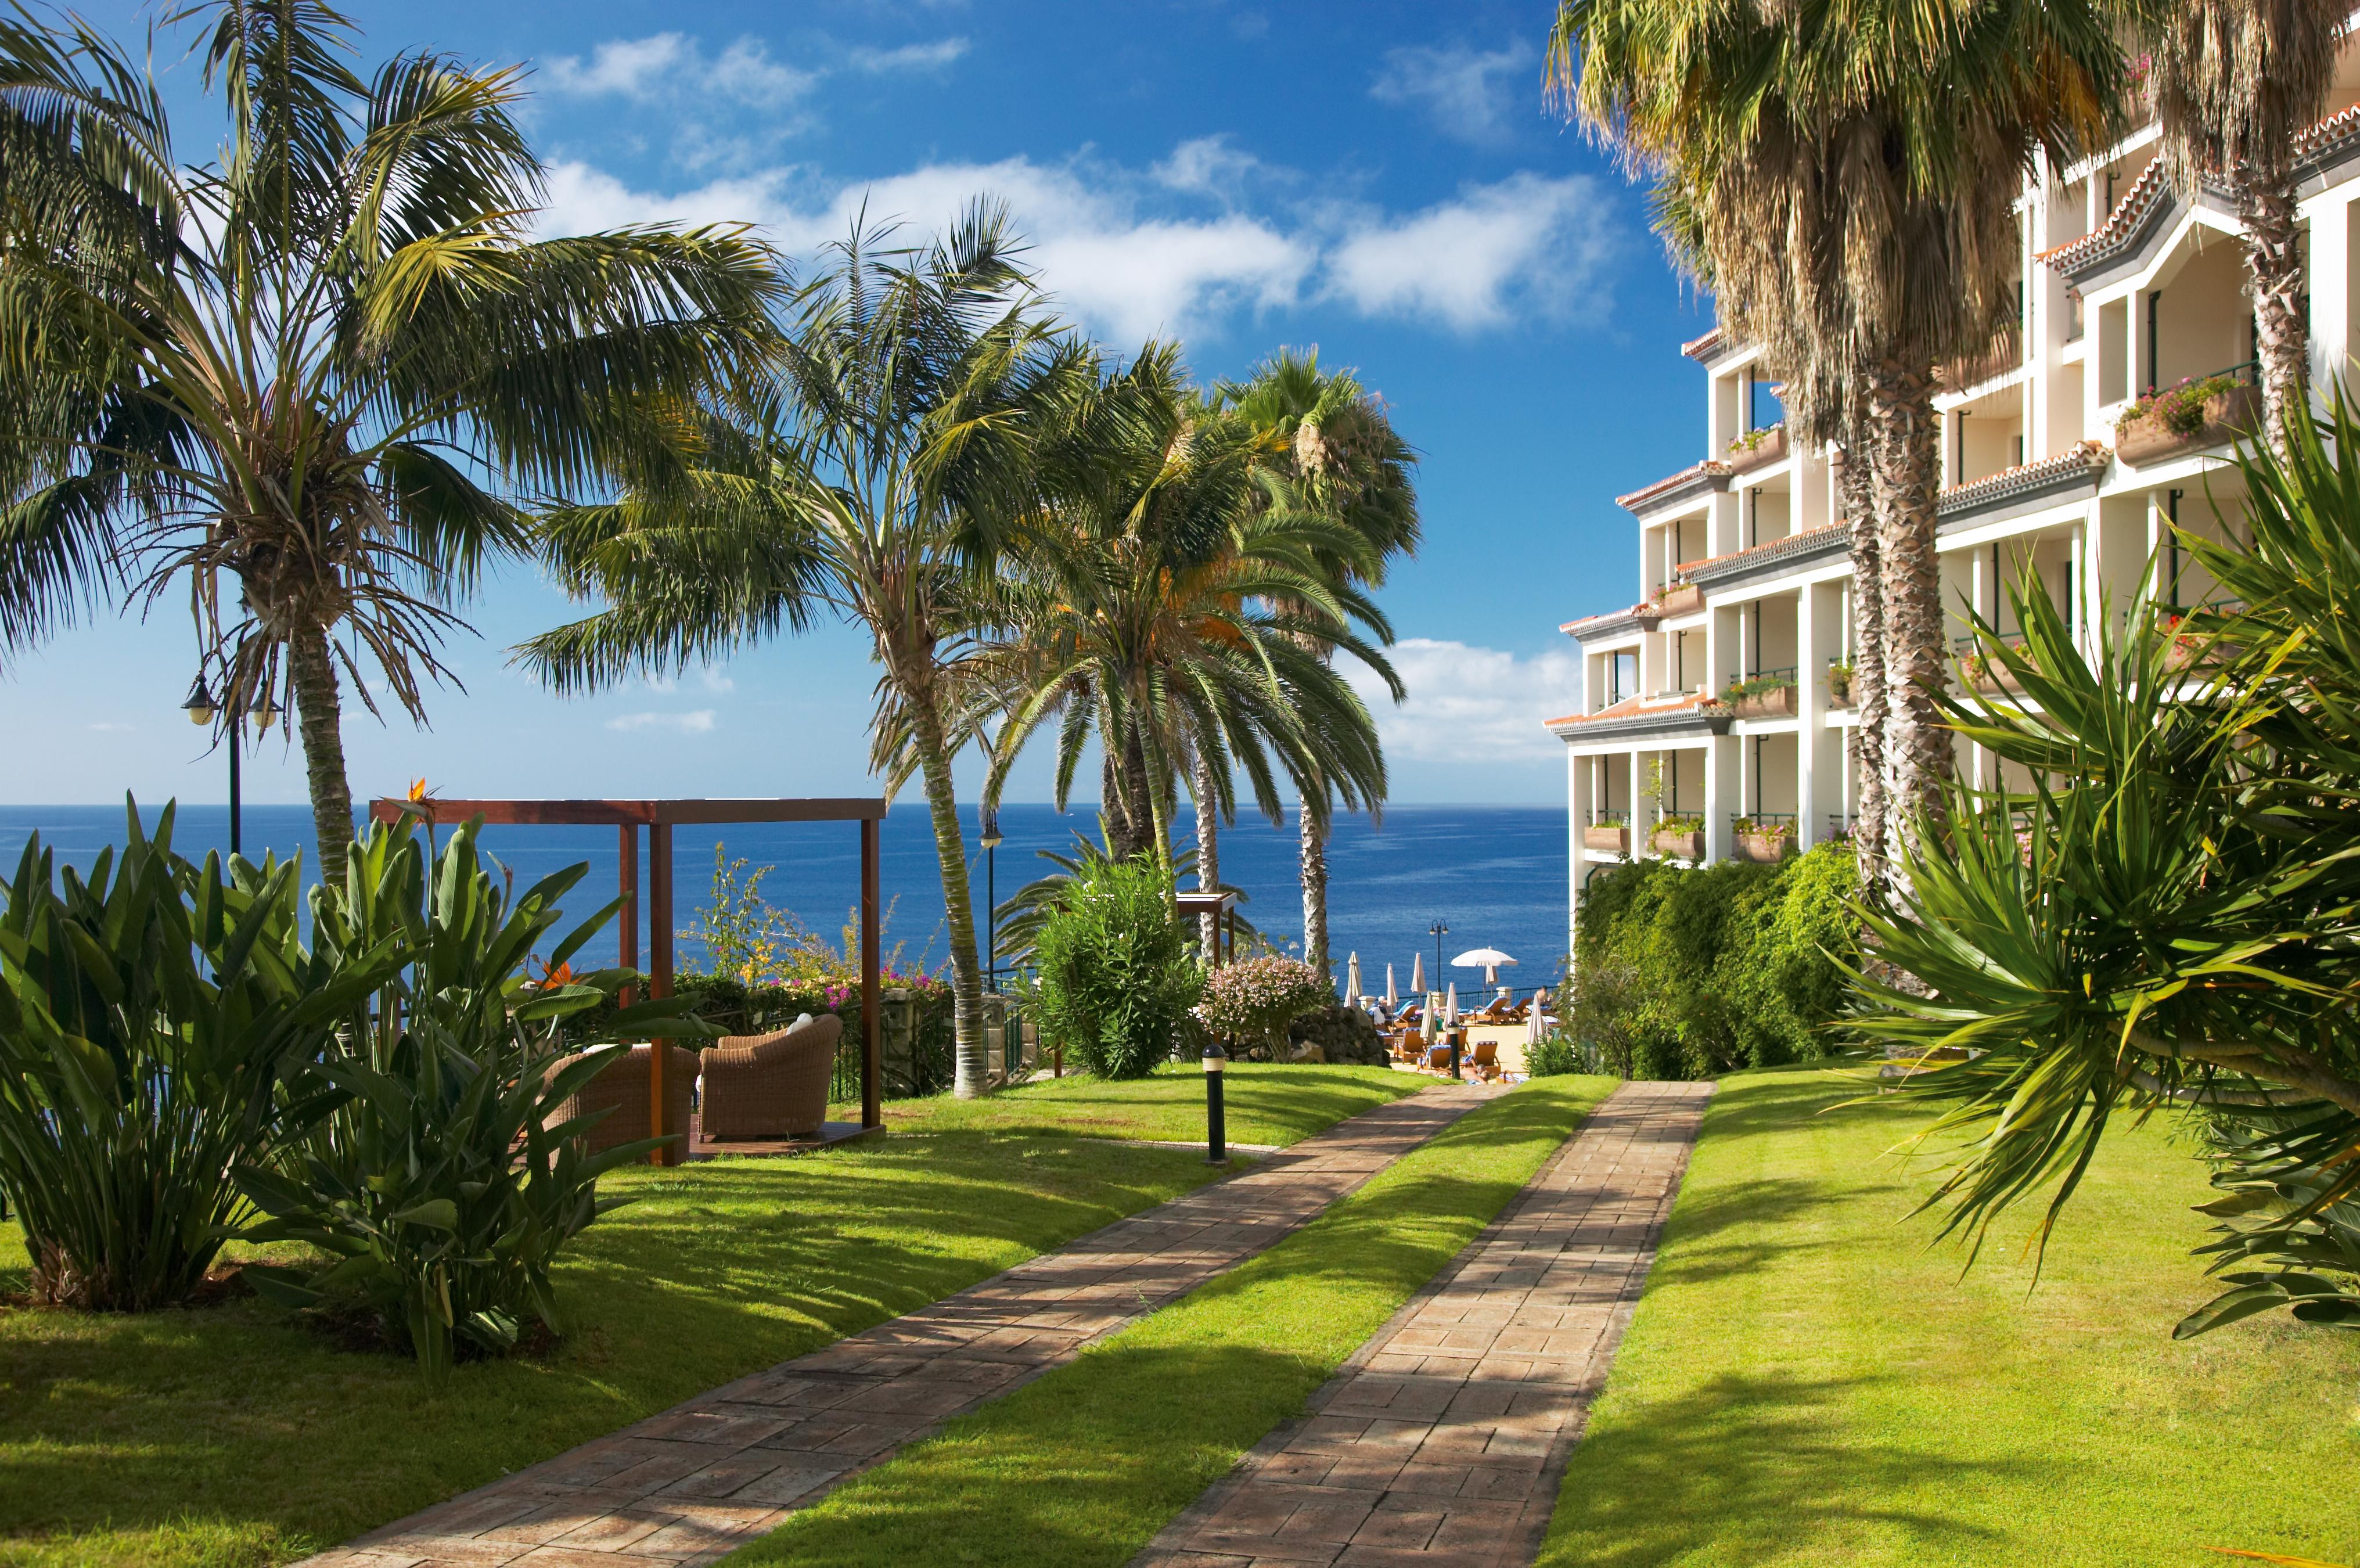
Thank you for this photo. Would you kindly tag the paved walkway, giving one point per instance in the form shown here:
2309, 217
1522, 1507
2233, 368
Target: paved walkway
1445, 1436
705, 1478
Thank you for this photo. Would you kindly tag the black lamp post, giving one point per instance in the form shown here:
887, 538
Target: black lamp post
201, 709
989, 838
1437, 931
1216, 1138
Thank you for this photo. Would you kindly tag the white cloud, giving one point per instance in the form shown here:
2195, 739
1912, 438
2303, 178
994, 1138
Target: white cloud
1207, 166
1466, 92
1465, 701
698, 722
674, 66
1126, 270
714, 681
1526, 245
910, 56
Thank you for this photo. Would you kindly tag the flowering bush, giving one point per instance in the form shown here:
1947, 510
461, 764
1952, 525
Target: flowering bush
1255, 1000
1117, 969
2179, 409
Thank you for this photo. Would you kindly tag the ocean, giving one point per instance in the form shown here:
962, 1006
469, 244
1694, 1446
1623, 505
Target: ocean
1494, 875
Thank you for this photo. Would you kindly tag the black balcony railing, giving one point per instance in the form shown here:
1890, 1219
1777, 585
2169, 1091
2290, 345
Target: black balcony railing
1763, 818
1610, 816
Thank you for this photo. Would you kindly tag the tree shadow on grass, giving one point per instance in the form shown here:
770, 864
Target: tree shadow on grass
241, 1417
1745, 1469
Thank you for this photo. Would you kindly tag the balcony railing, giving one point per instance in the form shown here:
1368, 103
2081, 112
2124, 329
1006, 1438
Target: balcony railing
1763, 818
2005, 353
1610, 816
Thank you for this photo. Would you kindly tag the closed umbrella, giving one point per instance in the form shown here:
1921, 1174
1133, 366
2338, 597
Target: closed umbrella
1393, 997
1417, 973
1450, 1008
1352, 980
1488, 960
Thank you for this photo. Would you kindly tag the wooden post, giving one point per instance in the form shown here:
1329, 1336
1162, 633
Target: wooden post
659, 978
872, 1112
627, 868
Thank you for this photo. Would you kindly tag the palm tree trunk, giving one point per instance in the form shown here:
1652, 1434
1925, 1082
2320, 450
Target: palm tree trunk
1202, 786
1126, 829
1867, 736
958, 902
319, 713
1906, 461
1315, 889
2266, 204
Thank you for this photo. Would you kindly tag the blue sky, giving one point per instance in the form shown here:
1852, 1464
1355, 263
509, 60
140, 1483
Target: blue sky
1382, 181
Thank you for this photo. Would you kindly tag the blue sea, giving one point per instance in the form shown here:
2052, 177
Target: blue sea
1494, 875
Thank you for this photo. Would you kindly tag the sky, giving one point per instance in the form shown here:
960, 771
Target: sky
1382, 180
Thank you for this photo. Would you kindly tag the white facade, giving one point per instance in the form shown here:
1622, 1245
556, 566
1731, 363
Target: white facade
1742, 559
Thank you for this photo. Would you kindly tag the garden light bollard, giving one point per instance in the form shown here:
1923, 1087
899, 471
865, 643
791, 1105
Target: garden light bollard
1216, 1143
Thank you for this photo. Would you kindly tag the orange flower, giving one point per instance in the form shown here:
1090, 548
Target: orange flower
562, 974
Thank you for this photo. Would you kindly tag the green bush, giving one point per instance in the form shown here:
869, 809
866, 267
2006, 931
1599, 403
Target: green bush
1554, 1057
149, 1018
1683, 974
434, 1184
1117, 970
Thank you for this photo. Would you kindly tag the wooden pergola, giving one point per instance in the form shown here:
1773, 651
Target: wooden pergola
1223, 908
660, 818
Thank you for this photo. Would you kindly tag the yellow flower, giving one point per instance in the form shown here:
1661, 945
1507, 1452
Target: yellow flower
418, 791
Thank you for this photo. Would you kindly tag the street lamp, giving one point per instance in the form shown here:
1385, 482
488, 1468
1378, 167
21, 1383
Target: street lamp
201, 709
989, 838
1437, 931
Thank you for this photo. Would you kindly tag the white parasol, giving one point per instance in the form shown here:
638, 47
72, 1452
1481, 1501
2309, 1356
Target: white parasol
1488, 960
1352, 980
1417, 973
1393, 997
1450, 1008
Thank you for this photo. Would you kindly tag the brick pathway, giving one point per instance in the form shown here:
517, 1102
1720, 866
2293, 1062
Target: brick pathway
1445, 1437
691, 1483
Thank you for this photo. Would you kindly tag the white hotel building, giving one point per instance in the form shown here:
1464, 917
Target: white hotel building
1743, 564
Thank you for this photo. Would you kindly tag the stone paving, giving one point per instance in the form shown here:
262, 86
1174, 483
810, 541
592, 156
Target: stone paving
705, 1478
1445, 1437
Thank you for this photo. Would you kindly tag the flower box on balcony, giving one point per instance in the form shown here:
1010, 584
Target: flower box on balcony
1607, 836
1687, 843
2213, 411
1766, 849
1777, 702
1839, 683
1756, 449
1678, 598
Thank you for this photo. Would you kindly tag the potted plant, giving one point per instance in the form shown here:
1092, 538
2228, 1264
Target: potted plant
1981, 670
1756, 449
1767, 695
1764, 843
1606, 834
2206, 410
1680, 835
1675, 598
1840, 682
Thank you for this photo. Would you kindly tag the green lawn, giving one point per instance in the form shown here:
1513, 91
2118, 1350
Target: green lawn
230, 1435
1263, 1103
1086, 1465
1807, 1383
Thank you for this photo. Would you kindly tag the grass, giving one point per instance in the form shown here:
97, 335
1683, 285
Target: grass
232, 1435
1810, 1381
1086, 1465
1262, 1103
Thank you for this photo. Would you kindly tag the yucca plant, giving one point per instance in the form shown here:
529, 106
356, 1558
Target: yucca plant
151, 1015
438, 1186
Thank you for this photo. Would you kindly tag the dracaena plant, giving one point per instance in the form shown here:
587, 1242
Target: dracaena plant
152, 1015
442, 1187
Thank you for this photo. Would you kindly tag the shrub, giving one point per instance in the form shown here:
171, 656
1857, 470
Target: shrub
149, 1017
435, 1184
1117, 970
1686, 972
1554, 1057
2179, 409
1254, 999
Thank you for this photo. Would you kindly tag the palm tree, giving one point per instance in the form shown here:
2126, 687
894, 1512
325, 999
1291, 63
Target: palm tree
1337, 447
875, 477
333, 361
2236, 81
1855, 168
1173, 600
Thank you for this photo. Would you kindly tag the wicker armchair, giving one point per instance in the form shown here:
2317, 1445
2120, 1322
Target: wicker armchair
624, 1087
771, 1086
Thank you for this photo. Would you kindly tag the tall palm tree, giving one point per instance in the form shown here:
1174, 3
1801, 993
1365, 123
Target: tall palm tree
1338, 448
875, 476
1855, 165
335, 363
2236, 82
1174, 600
